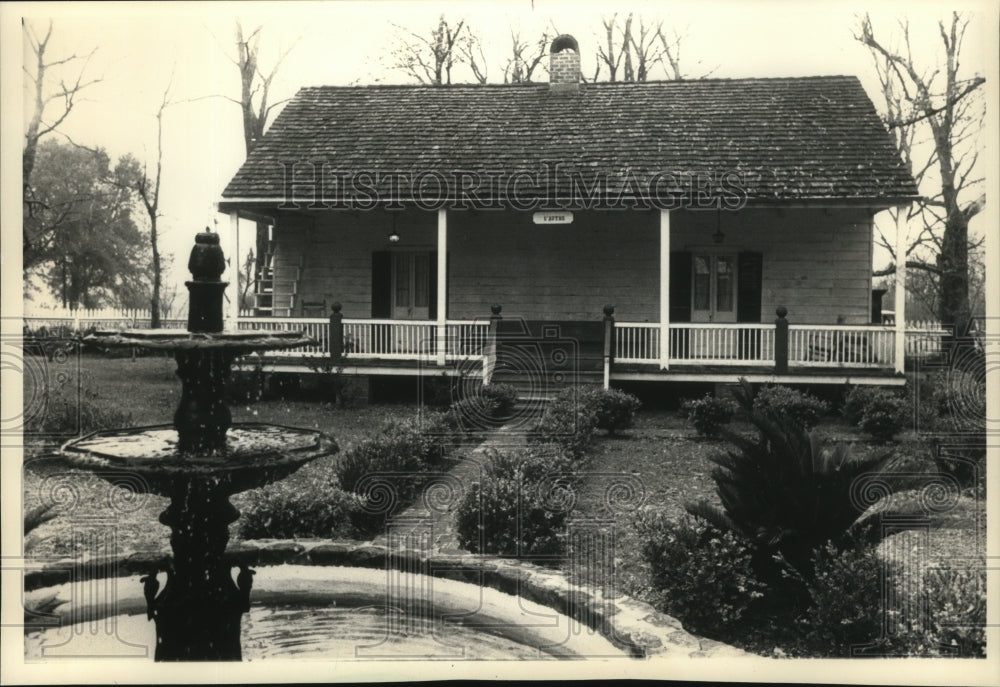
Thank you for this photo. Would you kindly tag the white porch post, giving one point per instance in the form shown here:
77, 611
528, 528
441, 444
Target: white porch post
442, 282
900, 301
234, 271
664, 289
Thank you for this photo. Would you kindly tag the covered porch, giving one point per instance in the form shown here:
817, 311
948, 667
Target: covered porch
643, 272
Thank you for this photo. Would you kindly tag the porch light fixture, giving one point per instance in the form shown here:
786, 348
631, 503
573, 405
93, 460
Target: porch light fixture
718, 236
393, 235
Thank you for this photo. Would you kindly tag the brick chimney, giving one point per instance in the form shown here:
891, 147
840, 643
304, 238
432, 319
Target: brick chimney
564, 65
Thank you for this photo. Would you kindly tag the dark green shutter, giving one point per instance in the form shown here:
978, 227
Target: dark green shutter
680, 287
381, 284
749, 269
749, 276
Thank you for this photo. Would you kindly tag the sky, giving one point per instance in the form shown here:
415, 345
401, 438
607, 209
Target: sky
141, 48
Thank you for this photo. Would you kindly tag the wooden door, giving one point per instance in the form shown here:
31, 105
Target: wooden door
713, 287
411, 286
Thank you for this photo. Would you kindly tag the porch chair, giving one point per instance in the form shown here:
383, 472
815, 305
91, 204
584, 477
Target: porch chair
313, 308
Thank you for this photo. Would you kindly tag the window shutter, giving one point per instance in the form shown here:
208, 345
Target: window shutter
381, 284
680, 287
749, 286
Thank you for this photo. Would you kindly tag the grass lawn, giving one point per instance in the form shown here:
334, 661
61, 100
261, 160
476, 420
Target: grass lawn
141, 392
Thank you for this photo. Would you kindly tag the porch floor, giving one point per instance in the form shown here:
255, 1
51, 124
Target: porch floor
678, 372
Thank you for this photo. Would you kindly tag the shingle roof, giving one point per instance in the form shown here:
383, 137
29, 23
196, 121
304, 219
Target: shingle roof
788, 139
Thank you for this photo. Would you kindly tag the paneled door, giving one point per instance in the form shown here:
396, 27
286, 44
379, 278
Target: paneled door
411, 286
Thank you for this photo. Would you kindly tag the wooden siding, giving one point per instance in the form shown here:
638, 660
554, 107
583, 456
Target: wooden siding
817, 263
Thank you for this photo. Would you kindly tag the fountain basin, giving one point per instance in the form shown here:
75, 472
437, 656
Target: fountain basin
255, 454
338, 613
635, 628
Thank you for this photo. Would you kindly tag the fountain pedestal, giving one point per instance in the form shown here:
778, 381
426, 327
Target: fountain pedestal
199, 462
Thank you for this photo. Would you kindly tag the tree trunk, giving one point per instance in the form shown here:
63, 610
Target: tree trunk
154, 305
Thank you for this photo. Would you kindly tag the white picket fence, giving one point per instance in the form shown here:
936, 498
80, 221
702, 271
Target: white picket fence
55, 319
923, 338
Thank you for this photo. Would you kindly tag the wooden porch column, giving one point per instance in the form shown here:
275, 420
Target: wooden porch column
234, 271
900, 304
664, 289
442, 285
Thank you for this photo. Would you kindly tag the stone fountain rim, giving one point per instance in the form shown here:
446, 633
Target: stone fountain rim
632, 625
182, 340
323, 444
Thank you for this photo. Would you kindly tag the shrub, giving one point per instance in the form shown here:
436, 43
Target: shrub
955, 622
403, 447
798, 406
885, 416
489, 408
510, 512
856, 399
502, 399
567, 422
699, 574
297, 508
845, 600
709, 414
615, 409
786, 494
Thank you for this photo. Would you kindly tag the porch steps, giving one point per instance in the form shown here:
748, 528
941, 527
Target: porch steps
531, 389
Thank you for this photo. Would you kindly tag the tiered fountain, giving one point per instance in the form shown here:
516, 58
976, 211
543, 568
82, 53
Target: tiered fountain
199, 462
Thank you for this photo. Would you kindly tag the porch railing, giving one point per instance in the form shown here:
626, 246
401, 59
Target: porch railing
841, 345
697, 343
751, 344
381, 339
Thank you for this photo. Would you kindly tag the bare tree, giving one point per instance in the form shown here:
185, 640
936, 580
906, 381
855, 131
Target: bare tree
255, 85
935, 116
470, 48
135, 177
637, 46
613, 49
525, 57
256, 108
50, 109
430, 59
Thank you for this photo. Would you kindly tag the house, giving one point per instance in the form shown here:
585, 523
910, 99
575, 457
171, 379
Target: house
482, 230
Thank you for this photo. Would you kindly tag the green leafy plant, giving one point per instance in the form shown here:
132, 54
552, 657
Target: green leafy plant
885, 416
786, 494
701, 575
878, 412
955, 621
797, 406
709, 414
614, 409
305, 507
846, 603
512, 511
568, 422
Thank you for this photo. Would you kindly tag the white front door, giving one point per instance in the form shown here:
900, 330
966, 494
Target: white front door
411, 286
713, 287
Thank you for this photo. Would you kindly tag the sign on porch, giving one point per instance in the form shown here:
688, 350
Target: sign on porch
553, 218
